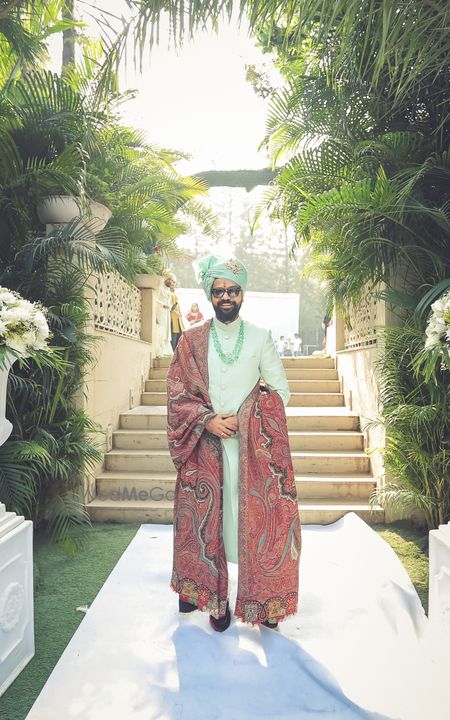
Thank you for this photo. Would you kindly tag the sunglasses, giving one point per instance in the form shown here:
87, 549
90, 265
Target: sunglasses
232, 291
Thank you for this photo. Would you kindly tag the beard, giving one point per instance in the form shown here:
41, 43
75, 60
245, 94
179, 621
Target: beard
228, 314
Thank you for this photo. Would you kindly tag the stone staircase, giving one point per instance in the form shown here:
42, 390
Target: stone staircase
332, 470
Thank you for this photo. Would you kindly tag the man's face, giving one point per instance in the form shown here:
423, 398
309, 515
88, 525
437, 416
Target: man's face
226, 308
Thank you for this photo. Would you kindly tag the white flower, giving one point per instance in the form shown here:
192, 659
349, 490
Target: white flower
431, 341
438, 327
438, 306
7, 297
41, 324
23, 325
15, 342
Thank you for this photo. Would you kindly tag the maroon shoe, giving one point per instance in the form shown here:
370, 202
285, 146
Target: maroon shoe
271, 626
185, 607
222, 623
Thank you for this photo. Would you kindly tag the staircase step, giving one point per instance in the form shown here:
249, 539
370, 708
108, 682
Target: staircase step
154, 398
298, 373
314, 386
139, 461
156, 385
315, 399
154, 417
321, 418
303, 462
308, 362
136, 486
311, 512
326, 440
349, 487
125, 511
311, 373
288, 362
157, 373
318, 463
305, 399
125, 485
162, 362
140, 440
144, 417
326, 511
157, 439
295, 386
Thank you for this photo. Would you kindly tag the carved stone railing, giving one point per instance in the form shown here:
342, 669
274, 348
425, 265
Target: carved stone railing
360, 329
117, 305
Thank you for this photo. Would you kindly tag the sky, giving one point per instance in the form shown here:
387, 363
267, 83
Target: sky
196, 99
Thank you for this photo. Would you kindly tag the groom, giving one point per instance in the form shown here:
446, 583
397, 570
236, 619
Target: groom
235, 497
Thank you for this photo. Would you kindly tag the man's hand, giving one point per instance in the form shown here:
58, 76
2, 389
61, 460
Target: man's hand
224, 426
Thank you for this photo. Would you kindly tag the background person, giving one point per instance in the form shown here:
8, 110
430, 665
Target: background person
297, 345
176, 318
230, 503
163, 334
287, 348
194, 315
280, 345
326, 322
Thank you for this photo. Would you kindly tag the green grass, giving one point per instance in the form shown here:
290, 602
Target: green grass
411, 546
63, 583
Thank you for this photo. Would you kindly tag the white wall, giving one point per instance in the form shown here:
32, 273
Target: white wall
277, 311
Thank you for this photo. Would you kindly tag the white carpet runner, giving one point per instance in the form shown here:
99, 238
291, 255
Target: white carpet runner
358, 647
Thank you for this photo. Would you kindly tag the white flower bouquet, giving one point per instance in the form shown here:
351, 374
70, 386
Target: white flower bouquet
438, 327
434, 358
23, 326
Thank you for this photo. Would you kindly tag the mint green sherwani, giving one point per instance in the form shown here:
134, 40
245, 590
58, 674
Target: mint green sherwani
229, 385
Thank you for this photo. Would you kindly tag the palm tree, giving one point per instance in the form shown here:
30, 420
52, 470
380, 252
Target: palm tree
59, 135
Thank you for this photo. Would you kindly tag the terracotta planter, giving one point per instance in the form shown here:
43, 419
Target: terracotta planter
5, 425
62, 209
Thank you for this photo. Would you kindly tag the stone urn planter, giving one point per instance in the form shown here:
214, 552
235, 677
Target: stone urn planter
16, 572
62, 209
5, 425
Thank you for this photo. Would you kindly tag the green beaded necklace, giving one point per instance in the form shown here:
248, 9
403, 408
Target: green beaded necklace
231, 357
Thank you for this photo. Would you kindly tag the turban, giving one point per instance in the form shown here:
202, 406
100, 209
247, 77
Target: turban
210, 268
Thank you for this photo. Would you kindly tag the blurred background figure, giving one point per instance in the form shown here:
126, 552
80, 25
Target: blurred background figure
163, 334
176, 318
326, 322
297, 345
287, 349
194, 315
280, 345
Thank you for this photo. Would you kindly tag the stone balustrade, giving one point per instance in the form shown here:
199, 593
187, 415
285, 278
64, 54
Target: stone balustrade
124, 308
353, 341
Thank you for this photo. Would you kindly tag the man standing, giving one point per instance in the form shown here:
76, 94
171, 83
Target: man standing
297, 345
176, 318
235, 497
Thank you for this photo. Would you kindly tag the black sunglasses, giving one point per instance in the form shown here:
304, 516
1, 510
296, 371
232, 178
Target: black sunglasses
232, 291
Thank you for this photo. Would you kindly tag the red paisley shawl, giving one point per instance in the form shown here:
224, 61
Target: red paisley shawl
269, 523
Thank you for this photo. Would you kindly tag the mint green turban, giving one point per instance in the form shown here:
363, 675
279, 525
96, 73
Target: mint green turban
210, 268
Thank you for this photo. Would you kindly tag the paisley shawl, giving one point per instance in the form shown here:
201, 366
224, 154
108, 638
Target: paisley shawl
269, 523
